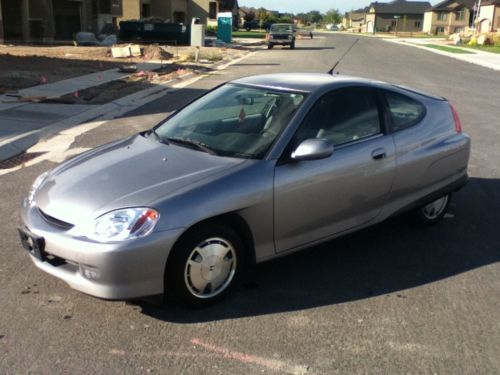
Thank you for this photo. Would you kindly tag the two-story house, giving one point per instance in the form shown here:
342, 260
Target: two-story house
449, 17
396, 16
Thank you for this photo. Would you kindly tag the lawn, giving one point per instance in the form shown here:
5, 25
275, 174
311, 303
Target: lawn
448, 49
494, 49
249, 34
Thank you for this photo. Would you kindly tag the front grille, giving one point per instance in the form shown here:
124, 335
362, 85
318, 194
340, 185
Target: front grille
56, 222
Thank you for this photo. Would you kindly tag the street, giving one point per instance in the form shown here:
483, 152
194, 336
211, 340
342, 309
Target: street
390, 299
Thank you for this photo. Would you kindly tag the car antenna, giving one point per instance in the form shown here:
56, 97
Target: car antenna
339, 60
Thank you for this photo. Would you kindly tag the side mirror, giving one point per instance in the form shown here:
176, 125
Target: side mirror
313, 149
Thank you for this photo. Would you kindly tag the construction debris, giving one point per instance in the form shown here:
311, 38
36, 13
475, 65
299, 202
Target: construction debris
132, 50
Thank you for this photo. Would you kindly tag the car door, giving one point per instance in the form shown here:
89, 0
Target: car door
316, 199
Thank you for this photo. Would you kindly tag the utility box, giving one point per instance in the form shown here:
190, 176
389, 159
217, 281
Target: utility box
197, 35
225, 27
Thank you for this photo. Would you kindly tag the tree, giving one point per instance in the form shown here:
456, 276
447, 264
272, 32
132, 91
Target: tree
314, 16
262, 15
333, 16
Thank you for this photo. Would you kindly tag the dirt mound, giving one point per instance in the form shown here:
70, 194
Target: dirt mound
155, 52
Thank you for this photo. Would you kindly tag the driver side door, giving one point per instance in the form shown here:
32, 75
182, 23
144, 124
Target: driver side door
316, 199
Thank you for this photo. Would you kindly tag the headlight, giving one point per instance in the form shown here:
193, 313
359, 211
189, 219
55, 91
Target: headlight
289, 37
125, 224
38, 182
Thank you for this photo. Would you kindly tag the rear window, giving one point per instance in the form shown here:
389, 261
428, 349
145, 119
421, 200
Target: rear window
405, 111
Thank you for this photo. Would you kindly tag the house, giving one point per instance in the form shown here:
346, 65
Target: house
46, 20
449, 17
398, 15
489, 16
355, 19
171, 10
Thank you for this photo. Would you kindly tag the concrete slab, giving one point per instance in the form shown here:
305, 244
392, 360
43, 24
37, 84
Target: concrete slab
68, 86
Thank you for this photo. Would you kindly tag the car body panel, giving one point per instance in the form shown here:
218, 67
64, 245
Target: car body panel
319, 198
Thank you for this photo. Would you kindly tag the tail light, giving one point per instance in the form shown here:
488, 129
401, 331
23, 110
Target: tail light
458, 123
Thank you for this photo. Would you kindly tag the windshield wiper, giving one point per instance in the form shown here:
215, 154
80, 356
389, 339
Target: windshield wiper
157, 136
191, 142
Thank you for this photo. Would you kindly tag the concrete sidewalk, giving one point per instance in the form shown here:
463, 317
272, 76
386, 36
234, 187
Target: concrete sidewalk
485, 59
23, 123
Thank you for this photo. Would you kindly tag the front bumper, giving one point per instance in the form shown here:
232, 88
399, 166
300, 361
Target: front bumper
119, 270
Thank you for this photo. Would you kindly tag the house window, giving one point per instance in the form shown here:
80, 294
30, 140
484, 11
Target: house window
460, 15
394, 23
442, 16
417, 24
212, 10
179, 17
439, 30
145, 10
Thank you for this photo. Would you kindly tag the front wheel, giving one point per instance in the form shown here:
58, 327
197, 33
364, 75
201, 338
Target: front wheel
292, 46
204, 265
270, 46
433, 212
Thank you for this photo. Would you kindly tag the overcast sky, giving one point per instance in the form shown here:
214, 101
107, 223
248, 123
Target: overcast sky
304, 6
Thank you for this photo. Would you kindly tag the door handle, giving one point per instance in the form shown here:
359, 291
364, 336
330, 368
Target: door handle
378, 153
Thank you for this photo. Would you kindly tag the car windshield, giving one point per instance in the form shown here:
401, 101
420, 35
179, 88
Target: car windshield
233, 120
281, 28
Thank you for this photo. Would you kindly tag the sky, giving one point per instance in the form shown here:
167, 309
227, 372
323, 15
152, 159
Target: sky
304, 6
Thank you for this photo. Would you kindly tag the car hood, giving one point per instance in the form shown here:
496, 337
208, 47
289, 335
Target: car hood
132, 172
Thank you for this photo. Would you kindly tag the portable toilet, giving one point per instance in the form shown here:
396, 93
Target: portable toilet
225, 26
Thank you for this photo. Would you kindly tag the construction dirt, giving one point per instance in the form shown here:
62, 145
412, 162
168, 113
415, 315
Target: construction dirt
23, 66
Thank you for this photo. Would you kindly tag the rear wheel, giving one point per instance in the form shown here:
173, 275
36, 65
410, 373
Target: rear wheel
204, 265
270, 46
433, 212
292, 46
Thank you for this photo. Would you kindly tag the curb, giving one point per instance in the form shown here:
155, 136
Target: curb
16, 145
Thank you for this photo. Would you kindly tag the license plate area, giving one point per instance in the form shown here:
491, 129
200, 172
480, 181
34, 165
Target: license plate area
34, 244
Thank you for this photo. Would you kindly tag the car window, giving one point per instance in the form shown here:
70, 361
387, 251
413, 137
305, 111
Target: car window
233, 120
281, 28
405, 111
342, 116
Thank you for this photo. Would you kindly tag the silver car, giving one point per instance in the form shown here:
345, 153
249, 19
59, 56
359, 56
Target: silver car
255, 169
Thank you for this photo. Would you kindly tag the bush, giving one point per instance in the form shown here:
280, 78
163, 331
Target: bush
472, 42
496, 40
212, 29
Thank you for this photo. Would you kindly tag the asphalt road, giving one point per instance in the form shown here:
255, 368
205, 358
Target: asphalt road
391, 299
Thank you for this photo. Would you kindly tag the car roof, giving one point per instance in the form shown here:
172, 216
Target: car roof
306, 82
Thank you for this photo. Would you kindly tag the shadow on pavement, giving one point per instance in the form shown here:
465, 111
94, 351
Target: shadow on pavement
383, 260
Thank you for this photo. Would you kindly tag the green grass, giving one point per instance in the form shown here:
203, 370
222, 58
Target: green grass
448, 49
249, 34
494, 49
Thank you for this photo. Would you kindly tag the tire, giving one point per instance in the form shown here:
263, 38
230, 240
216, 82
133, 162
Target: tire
270, 46
292, 46
433, 212
204, 265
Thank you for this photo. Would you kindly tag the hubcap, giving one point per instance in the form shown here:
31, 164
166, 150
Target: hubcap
210, 267
436, 208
